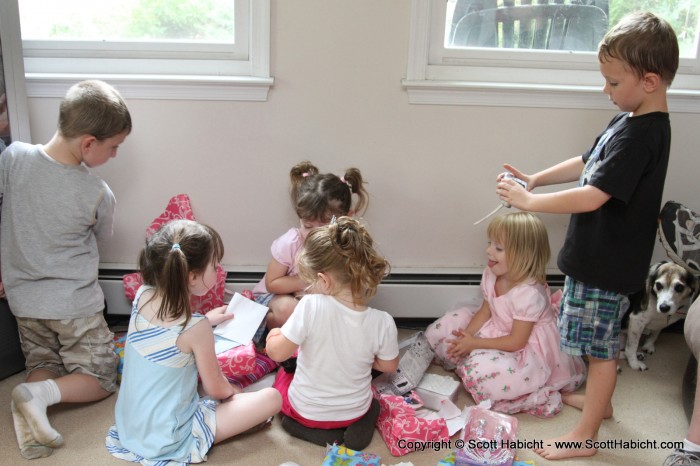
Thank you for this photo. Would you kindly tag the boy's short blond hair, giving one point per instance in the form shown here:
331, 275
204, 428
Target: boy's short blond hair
645, 43
93, 108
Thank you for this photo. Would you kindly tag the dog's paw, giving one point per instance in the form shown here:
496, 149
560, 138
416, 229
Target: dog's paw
649, 349
637, 365
641, 356
619, 368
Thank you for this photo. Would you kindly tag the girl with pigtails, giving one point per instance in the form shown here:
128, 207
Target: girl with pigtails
339, 338
160, 416
316, 198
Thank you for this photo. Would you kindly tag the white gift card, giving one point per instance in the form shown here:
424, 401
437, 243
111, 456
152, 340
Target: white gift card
247, 316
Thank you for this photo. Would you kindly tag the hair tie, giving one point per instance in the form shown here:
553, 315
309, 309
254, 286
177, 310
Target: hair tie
342, 178
305, 174
175, 246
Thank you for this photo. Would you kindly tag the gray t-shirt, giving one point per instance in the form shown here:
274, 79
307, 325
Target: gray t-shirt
52, 216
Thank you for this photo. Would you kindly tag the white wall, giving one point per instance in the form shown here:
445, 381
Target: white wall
337, 101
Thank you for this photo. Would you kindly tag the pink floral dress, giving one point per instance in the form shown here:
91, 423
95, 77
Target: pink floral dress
528, 380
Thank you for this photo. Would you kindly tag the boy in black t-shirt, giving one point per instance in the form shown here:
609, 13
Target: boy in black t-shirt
614, 209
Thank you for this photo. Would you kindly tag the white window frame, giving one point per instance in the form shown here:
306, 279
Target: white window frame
514, 78
199, 72
13, 67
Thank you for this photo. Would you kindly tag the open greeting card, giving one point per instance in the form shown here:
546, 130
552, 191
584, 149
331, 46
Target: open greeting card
248, 315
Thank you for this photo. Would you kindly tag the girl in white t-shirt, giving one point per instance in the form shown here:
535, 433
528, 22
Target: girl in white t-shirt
340, 339
316, 198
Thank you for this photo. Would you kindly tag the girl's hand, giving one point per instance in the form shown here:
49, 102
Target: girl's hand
218, 315
462, 345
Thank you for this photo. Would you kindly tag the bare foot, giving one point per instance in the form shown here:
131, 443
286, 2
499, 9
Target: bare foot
567, 446
576, 400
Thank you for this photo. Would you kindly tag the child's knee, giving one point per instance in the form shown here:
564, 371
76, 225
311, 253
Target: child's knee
273, 400
282, 308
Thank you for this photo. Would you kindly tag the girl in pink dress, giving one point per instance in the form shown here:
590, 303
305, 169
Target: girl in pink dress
507, 351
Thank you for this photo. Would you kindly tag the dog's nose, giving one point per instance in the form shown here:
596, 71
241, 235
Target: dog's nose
664, 308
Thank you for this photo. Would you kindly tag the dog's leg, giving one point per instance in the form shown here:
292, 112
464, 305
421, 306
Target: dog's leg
634, 334
648, 346
621, 354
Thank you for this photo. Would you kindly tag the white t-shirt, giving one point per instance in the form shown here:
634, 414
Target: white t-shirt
337, 347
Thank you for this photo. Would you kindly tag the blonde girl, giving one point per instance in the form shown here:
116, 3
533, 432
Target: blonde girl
507, 351
316, 198
340, 339
160, 416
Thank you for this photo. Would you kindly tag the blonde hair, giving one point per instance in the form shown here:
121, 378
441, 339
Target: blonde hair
345, 249
526, 244
320, 196
171, 253
645, 43
93, 108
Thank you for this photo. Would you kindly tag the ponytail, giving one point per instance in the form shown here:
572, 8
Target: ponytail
317, 196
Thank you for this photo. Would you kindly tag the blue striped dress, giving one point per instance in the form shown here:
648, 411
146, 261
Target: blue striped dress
160, 418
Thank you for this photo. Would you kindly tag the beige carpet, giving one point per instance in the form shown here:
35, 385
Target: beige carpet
647, 408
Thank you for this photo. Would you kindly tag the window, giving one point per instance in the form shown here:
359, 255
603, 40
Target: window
201, 49
534, 53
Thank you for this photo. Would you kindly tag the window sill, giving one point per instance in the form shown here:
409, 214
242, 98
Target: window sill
159, 87
433, 92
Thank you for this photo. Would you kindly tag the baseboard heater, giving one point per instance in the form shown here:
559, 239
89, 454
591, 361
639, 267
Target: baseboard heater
403, 295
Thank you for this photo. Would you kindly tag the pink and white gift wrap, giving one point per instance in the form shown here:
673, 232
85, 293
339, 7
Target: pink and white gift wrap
179, 208
241, 365
402, 431
237, 361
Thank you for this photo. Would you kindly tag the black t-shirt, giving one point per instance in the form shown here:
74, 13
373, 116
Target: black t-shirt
611, 247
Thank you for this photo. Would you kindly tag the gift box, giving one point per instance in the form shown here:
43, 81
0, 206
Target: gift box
402, 431
237, 361
433, 389
415, 357
488, 439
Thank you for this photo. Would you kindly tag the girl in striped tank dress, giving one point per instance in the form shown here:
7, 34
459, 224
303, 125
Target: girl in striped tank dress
160, 416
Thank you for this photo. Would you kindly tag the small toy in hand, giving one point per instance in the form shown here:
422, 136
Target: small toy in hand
510, 176
506, 176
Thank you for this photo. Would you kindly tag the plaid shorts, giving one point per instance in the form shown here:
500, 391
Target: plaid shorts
589, 321
84, 345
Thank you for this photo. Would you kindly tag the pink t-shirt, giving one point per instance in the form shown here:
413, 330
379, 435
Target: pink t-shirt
284, 250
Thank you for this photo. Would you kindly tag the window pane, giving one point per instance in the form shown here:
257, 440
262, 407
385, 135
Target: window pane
557, 24
128, 20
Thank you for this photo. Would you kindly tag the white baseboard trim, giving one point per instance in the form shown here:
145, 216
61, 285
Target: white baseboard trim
402, 296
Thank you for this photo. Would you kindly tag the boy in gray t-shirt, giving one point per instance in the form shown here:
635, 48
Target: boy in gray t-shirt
53, 210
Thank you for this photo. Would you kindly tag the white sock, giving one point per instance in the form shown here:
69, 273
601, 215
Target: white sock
690, 446
28, 446
31, 399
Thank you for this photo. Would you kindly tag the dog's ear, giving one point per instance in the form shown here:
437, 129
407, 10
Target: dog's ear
649, 286
638, 300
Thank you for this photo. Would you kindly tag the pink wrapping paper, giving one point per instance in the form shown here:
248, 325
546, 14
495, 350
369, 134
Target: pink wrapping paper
402, 431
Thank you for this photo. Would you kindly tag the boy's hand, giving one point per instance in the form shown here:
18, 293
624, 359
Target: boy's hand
218, 315
518, 174
512, 193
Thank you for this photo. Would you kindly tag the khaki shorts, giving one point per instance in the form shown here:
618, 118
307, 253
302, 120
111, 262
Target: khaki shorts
83, 346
